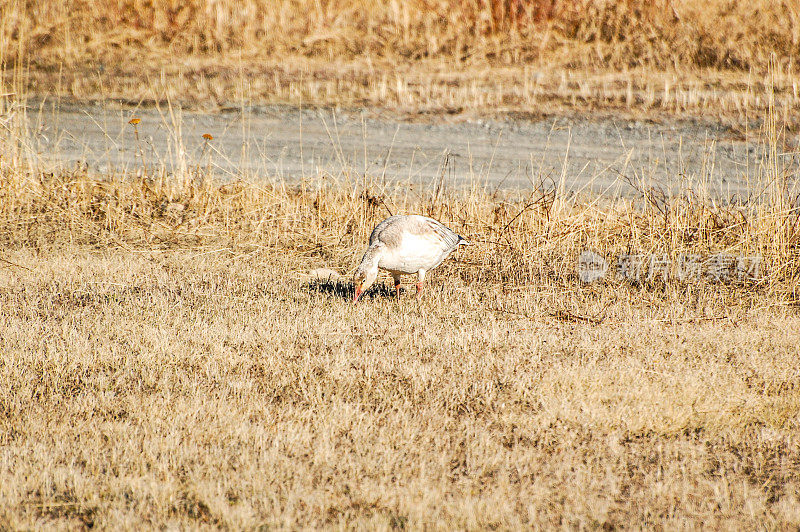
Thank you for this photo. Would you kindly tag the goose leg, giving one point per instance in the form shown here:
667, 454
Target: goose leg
396, 285
421, 277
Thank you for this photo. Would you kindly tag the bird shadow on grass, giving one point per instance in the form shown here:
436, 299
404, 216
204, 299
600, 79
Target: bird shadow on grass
346, 290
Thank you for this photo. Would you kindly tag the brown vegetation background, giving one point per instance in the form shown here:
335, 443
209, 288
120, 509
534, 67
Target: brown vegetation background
588, 33
359, 51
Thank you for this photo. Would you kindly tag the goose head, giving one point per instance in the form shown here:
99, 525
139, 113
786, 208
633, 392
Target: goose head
363, 279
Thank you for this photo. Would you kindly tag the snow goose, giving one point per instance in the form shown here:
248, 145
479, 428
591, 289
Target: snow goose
405, 244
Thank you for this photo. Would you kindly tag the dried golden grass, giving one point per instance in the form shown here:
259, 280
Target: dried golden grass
208, 388
689, 33
664, 56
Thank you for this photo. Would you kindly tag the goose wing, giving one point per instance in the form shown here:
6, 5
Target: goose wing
391, 231
449, 239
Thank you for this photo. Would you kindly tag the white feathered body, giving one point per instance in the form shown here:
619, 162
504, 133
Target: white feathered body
406, 244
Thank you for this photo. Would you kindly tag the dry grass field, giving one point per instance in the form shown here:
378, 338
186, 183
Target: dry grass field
190, 389
167, 361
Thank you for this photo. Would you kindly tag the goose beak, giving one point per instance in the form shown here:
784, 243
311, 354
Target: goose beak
359, 291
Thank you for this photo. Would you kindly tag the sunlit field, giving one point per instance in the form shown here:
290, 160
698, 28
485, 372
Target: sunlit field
179, 350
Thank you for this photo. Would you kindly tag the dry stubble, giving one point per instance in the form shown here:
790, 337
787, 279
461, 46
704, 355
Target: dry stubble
197, 382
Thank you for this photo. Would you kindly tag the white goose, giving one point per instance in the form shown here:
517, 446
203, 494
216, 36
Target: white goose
405, 244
